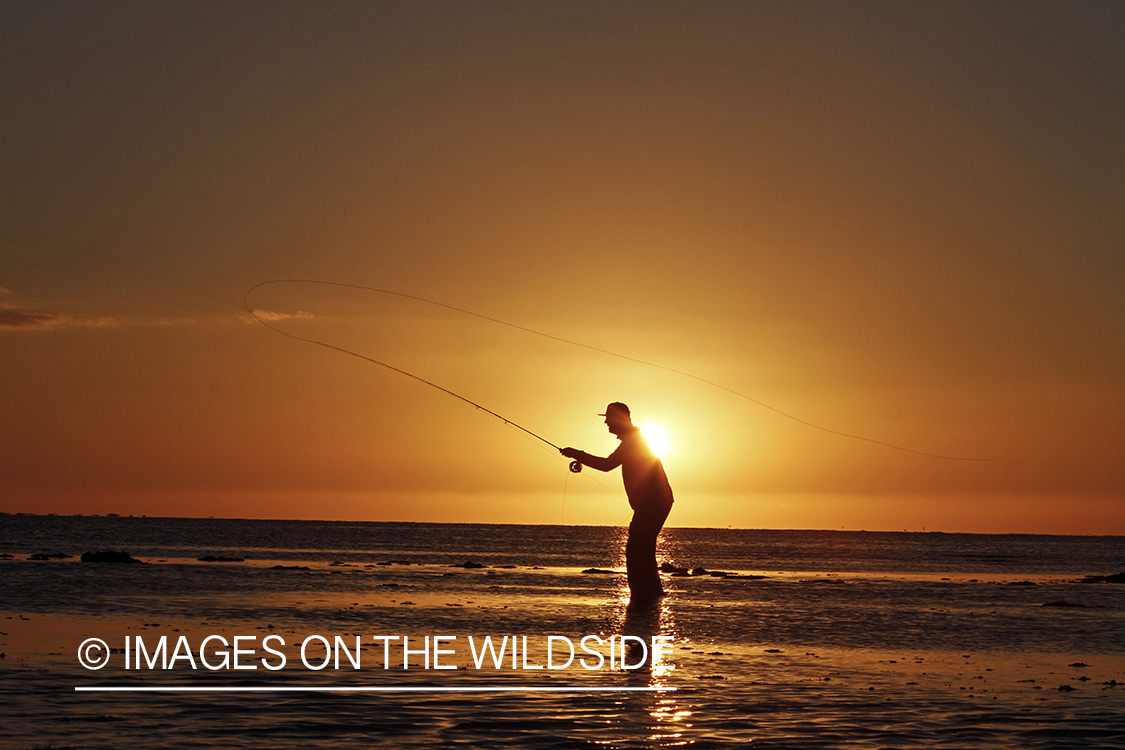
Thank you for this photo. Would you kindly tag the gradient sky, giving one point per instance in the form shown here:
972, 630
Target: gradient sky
895, 220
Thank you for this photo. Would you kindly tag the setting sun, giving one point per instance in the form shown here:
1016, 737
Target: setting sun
657, 439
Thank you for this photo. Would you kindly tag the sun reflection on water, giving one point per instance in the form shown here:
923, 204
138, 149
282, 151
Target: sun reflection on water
667, 718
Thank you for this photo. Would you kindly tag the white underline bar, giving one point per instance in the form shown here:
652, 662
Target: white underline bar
361, 688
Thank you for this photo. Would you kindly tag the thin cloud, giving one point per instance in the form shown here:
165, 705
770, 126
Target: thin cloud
270, 315
174, 321
15, 317
11, 317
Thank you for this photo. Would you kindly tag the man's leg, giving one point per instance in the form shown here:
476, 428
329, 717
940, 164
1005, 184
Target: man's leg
640, 556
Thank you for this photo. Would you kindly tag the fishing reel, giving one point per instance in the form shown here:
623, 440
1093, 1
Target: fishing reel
576, 467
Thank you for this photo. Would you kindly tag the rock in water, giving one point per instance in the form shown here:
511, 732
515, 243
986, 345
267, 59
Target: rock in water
109, 556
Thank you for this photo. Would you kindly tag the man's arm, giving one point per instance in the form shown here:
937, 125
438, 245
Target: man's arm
610, 462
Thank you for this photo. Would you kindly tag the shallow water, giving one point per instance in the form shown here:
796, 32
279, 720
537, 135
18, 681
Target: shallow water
850, 639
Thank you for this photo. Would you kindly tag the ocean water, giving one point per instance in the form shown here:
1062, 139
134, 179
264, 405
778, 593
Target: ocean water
796, 639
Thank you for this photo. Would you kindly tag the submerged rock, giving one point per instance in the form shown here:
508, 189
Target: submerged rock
599, 571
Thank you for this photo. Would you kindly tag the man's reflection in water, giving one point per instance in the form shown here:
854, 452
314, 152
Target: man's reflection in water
666, 717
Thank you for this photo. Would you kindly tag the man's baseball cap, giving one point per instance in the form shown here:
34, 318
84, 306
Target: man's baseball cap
616, 406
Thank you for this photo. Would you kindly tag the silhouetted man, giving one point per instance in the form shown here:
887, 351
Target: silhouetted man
649, 493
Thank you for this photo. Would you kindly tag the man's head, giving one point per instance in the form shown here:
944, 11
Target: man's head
618, 418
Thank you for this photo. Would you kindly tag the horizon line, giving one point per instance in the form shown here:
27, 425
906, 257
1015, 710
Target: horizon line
373, 689
923, 530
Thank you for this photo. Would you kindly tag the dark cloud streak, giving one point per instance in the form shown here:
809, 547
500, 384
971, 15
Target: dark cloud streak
13, 318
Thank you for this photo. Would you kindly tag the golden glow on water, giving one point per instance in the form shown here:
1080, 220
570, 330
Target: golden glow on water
668, 718
671, 722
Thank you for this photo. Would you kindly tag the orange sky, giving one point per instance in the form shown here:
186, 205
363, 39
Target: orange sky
901, 222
